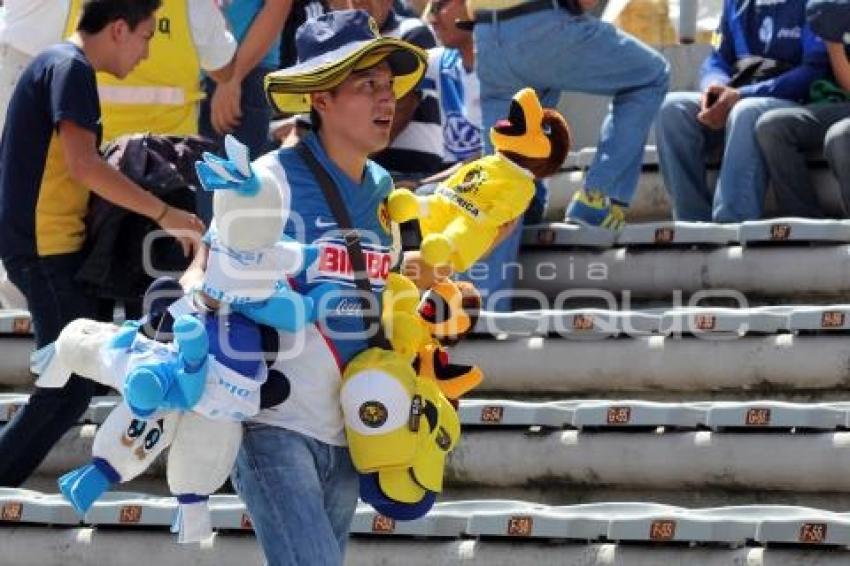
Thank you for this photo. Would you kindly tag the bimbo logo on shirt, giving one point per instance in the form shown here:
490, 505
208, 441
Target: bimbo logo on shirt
334, 263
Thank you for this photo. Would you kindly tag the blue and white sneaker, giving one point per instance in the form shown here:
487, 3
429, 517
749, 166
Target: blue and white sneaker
593, 208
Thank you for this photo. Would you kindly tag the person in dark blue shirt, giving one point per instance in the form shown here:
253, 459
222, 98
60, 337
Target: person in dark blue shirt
765, 56
49, 163
787, 135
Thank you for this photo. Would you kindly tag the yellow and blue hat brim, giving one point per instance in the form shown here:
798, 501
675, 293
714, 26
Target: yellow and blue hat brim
288, 90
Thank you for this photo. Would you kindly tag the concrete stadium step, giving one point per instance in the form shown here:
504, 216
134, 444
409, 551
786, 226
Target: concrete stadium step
662, 460
777, 460
550, 276
15, 322
28, 515
619, 414
10, 296
591, 413
582, 363
488, 552
768, 365
820, 318
678, 234
600, 323
28, 545
36, 545
726, 321
573, 322
794, 230
556, 494
706, 234
15, 362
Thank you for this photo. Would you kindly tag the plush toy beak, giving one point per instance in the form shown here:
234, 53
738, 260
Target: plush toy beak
441, 308
522, 132
454, 380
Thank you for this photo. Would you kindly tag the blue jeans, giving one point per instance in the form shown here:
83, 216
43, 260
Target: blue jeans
300, 493
554, 51
684, 144
54, 300
253, 129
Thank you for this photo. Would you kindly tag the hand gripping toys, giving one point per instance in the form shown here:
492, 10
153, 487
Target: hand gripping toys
460, 221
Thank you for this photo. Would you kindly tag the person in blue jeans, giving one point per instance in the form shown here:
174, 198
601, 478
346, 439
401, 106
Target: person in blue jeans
238, 106
553, 46
765, 58
294, 471
49, 163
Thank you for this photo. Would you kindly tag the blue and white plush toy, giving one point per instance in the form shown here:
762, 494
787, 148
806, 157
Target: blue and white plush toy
192, 371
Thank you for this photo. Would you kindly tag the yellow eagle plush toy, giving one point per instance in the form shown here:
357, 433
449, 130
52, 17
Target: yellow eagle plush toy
399, 404
460, 221
420, 327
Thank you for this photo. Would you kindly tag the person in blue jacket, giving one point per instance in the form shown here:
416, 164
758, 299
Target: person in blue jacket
765, 56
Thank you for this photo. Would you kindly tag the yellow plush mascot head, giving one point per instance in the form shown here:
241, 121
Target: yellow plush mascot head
535, 138
450, 310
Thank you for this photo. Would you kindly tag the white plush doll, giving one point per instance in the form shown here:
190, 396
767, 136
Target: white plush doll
192, 392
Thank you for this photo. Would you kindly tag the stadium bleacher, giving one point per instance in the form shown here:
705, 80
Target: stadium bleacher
676, 395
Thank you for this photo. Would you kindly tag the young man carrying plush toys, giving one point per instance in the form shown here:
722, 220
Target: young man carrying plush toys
359, 396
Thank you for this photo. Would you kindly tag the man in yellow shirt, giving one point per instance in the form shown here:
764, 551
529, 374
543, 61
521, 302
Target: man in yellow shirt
162, 94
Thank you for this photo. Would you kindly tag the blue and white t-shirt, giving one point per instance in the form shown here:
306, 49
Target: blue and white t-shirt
460, 103
312, 360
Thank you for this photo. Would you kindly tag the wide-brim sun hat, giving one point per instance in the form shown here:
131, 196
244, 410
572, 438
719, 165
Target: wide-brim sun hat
333, 45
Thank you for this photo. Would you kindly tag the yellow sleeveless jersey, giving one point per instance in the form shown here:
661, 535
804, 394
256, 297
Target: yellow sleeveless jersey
160, 95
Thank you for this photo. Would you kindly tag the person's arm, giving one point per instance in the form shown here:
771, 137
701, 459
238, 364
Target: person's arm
840, 64
265, 29
718, 68
87, 167
794, 84
214, 43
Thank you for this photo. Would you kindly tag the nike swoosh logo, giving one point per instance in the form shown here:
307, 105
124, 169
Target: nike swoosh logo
320, 224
